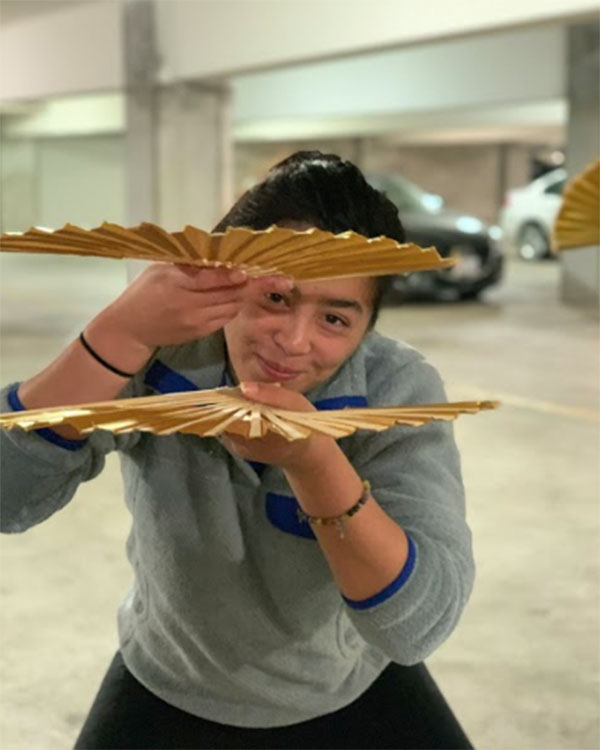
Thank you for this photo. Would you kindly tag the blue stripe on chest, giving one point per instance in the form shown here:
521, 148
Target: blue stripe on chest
164, 380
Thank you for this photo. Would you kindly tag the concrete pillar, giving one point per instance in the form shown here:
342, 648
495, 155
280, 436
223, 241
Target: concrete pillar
141, 66
179, 143
580, 278
195, 155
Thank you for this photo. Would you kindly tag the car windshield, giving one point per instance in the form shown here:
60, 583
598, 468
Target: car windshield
555, 188
406, 195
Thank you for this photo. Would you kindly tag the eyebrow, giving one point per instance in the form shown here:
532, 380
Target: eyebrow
349, 303
333, 302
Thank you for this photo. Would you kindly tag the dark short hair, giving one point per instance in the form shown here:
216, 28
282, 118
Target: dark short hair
325, 191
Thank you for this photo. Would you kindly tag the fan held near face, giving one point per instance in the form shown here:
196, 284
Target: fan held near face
312, 254
213, 412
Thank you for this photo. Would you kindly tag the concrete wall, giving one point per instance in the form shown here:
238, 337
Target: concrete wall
48, 182
75, 48
82, 180
18, 172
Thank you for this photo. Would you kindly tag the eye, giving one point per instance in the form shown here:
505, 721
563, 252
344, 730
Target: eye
335, 317
269, 296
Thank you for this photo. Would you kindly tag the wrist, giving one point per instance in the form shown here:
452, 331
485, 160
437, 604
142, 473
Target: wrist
328, 484
108, 338
317, 452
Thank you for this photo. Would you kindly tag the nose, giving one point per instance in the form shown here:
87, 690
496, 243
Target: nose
293, 336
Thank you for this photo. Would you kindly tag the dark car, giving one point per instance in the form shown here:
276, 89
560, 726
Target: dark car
474, 244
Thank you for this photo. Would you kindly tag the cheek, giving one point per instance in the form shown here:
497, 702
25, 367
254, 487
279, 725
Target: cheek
331, 351
244, 332
256, 322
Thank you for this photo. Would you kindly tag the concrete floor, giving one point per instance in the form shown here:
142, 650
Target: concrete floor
521, 671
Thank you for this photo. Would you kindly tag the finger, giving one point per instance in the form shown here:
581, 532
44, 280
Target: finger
214, 325
228, 443
236, 445
281, 284
201, 279
274, 278
226, 310
187, 269
225, 314
234, 439
248, 285
214, 298
272, 394
217, 323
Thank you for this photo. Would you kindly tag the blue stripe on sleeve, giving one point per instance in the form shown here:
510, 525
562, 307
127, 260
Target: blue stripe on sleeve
394, 586
44, 432
163, 379
282, 512
341, 402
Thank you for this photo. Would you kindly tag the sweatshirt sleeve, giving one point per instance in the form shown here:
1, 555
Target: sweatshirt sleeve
40, 471
415, 476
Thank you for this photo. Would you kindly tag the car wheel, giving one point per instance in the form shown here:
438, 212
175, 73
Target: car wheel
532, 243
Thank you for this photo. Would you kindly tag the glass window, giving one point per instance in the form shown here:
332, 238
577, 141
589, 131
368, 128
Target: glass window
404, 194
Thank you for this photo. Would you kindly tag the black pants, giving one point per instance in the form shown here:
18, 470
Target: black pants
403, 708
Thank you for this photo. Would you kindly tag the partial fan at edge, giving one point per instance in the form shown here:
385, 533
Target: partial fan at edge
312, 254
216, 411
578, 221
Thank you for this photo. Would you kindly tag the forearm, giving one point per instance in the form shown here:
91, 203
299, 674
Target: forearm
39, 475
75, 377
374, 548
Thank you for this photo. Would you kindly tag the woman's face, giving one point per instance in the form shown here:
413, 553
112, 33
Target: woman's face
309, 331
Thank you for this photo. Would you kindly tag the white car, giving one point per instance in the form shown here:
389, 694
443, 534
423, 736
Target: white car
528, 214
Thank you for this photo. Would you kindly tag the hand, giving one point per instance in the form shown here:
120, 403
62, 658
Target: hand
171, 304
273, 448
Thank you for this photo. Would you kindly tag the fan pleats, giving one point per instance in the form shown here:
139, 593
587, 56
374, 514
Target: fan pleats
578, 221
312, 254
219, 410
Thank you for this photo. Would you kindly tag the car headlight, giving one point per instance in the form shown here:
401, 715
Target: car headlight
468, 262
469, 224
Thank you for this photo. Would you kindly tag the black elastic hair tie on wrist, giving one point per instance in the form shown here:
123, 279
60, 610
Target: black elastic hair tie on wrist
103, 362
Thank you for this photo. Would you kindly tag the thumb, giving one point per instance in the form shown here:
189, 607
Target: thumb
264, 392
275, 394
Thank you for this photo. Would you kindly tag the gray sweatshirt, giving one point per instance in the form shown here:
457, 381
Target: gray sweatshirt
234, 614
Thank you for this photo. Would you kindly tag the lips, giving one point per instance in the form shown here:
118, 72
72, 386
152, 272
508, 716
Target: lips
278, 368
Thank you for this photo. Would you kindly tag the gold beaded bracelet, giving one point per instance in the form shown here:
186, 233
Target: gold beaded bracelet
338, 521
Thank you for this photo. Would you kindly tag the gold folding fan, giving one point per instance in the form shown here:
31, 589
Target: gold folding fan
578, 221
212, 412
313, 254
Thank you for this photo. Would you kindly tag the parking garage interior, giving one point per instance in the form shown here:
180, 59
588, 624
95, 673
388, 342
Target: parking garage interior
482, 120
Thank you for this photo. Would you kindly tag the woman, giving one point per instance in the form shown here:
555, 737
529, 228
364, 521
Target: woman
251, 624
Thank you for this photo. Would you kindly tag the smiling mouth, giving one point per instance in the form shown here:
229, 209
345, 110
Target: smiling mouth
278, 368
